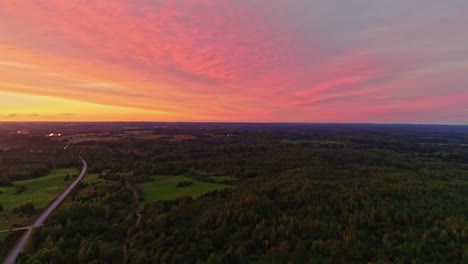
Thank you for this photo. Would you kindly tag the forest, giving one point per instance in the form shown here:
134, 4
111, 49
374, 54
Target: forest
298, 193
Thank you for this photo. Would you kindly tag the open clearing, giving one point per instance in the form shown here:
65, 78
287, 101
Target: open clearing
92, 178
164, 188
41, 191
84, 139
10, 220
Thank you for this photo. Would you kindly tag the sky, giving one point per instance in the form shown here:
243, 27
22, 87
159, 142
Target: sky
388, 61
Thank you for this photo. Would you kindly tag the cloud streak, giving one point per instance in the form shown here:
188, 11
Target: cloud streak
34, 115
308, 61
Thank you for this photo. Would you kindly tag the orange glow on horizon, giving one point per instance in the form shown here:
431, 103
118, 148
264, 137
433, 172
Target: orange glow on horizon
268, 61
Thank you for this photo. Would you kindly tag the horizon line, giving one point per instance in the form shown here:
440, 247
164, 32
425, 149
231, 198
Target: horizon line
239, 122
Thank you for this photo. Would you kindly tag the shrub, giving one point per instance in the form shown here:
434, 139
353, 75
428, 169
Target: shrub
21, 188
26, 209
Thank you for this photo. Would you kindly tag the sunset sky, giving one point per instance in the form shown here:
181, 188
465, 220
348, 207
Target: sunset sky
388, 61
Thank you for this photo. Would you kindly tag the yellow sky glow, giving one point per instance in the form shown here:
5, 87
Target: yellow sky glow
124, 60
21, 107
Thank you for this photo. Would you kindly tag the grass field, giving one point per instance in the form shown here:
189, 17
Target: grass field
41, 191
164, 188
92, 178
10, 220
221, 179
84, 139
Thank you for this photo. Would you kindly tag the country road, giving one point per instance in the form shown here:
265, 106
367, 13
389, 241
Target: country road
14, 229
40, 221
137, 213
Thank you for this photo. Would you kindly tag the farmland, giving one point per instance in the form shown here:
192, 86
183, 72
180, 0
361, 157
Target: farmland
39, 191
165, 188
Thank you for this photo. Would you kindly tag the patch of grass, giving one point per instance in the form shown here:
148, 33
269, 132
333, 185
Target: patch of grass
10, 220
92, 178
165, 188
221, 179
40, 191
3, 236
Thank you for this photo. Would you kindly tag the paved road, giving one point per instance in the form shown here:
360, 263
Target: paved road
40, 221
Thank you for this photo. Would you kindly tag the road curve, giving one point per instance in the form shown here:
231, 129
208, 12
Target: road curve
40, 221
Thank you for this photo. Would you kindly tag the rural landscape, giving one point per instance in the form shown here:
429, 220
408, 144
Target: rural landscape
233, 132
236, 193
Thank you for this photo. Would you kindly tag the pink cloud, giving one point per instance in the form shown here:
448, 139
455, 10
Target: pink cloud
246, 60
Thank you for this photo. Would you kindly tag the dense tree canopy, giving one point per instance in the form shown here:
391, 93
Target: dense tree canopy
301, 195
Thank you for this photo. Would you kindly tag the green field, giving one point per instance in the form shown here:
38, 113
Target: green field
221, 179
10, 220
92, 178
3, 236
164, 188
41, 191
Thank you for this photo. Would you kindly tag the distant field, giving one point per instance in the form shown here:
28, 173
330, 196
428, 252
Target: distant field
148, 137
10, 220
138, 134
164, 188
182, 137
315, 142
84, 139
41, 191
92, 178
221, 179
175, 138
